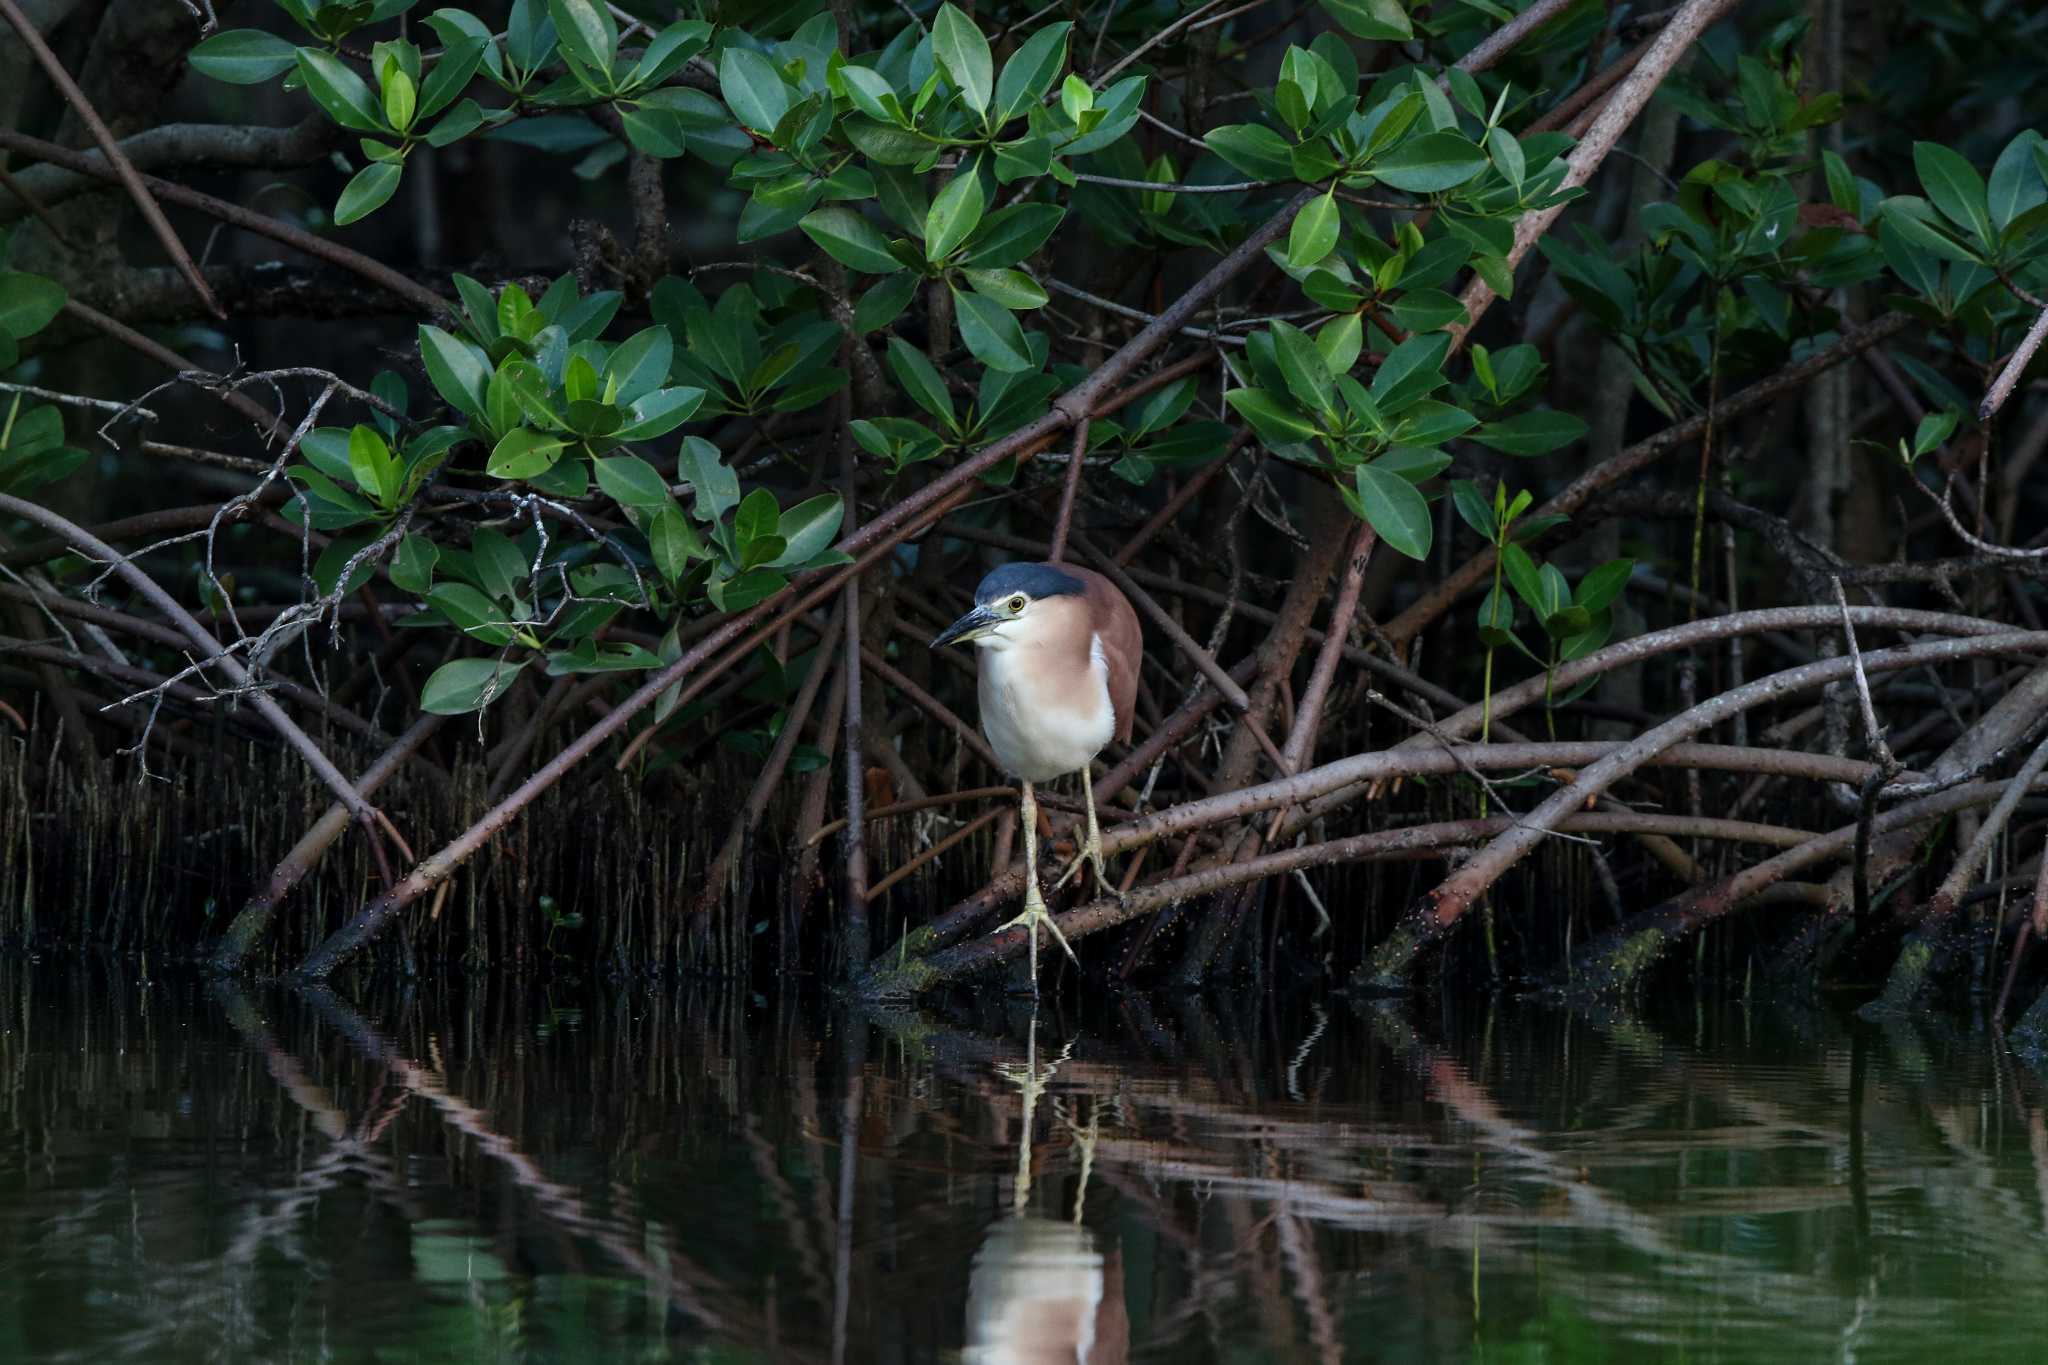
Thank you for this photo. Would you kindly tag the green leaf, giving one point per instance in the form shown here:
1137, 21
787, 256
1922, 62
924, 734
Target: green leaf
851, 240
1395, 509
412, 568
638, 366
1431, 423
1314, 232
1602, 585
376, 472
992, 333
1472, 505
339, 91
500, 565
1276, 423
955, 214
28, 303
714, 485
757, 517
1411, 370
243, 56
463, 685
1340, 340
1934, 428
367, 191
1956, 189
1384, 20
1918, 232
753, 89
1010, 235
1253, 148
1303, 367
474, 614
2016, 184
657, 132
884, 303
401, 99
458, 370
1428, 310
587, 35
963, 54
871, 93
632, 482
674, 542
524, 453
808, 529
1031, 70
1525, 578
460, 57
659, 413
1531, 433
1013, 289
921, 380
1430, 163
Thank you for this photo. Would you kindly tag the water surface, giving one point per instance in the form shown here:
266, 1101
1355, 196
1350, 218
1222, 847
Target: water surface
620, 1175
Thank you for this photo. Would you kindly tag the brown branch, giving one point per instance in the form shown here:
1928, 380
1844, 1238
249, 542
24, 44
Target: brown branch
212, 654
123, 169
1434, 915
248, 926
422, 298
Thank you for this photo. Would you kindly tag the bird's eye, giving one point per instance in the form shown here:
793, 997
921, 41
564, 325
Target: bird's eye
1016, 605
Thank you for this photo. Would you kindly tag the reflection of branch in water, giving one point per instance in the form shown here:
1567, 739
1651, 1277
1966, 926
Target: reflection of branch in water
352, 1145
675, 1277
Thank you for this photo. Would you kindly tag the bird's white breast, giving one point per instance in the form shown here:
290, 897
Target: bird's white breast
1040, 724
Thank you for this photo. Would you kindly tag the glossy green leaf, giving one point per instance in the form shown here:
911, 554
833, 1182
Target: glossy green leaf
752, 88
955, 214
457, 369
1395, 509
1314, 232
523, 453
1430, 163
243, 56
992, 333
632, 482
339, 91
1531, 433
963, 54
463, 685
1031, 70
28, 303
367, 191
808, 529
1253, 148
1956, 188
674, 542
850, 239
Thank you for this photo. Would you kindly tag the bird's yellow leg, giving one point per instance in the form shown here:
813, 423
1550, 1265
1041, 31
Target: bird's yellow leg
1091, 847
1034, 913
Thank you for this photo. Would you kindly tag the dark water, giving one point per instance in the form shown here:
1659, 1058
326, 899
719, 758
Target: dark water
641, 1176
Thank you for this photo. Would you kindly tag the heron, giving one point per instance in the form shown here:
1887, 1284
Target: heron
1059, 657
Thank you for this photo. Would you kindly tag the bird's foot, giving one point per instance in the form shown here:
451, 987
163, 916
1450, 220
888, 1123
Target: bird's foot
1090, 856
1035, 914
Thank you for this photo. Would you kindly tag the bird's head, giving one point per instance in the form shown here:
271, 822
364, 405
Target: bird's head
1016, 604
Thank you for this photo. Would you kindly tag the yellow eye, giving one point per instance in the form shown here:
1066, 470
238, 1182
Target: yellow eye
1016, 605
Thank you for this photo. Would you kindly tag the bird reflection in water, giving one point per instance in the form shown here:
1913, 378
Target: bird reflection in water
1041, 1290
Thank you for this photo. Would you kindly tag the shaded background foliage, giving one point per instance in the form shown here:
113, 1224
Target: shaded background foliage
1803, 175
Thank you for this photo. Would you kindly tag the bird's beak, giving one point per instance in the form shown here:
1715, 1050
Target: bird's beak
972, 626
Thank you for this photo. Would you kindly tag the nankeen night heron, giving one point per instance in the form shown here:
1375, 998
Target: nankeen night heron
1059, 670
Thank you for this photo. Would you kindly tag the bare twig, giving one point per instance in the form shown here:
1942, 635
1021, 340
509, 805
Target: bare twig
130, 179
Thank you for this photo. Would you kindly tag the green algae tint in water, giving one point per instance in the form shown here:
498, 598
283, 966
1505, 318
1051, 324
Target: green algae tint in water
620, 1176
